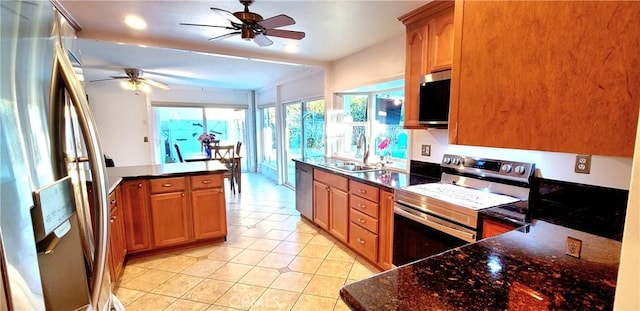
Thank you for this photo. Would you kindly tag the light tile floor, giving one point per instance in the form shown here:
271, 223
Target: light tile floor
272, 260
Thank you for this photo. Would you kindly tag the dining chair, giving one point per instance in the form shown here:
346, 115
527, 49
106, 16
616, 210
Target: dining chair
226, 155
178, 152
238, 144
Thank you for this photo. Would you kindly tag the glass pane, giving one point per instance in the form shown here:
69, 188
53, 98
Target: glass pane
314, 136
293, 138
355, 108
228, 125
180, 126
390, 137
269, 137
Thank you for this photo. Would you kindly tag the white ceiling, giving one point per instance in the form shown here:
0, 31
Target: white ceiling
183, 55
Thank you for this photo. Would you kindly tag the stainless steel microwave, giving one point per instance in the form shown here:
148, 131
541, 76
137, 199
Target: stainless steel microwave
435, 89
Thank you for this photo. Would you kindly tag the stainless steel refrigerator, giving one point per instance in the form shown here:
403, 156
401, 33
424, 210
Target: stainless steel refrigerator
53, 246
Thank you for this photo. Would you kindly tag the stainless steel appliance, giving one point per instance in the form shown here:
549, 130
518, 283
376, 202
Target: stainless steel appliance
435, 217
435, 90
304, 190
51, 255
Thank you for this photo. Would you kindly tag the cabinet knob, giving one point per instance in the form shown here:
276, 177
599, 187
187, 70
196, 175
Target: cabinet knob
362, 220
140, 185
206, 181
112, 219
167, 185
361, 241
182, 194
362, 191
113, 202
362, 206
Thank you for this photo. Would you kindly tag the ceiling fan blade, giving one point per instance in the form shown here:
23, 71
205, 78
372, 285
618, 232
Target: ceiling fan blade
157, 84
203, 25
98, 80
228, 15
276, 21
231, 34
289, 34
262, 40
119, 77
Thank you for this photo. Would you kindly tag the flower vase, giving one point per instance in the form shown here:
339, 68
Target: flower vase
207, 150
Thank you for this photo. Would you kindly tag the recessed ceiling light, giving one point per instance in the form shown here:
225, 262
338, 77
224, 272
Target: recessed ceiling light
291, 47
135, 22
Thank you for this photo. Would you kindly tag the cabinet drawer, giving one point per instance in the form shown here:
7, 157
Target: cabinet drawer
365, 206
332, 180
363, 190
167, 184
363, 242
207, 181
364, 220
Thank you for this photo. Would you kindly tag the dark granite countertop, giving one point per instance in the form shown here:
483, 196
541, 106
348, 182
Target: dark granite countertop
386, 178
116, 174
515, 270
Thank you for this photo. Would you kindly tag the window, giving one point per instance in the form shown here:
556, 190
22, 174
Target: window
378, 114
269, 136
183, 126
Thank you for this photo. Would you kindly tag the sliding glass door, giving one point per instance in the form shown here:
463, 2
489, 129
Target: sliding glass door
304, 134
182, 126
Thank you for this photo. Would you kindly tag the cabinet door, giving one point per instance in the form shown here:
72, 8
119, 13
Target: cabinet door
416, 67
170, 218
441, 41
135, 208
385, 232
546, 75
321, 205
209, 213
117, 244
492, 228
339, 214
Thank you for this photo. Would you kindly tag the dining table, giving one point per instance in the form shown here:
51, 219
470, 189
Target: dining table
203, 156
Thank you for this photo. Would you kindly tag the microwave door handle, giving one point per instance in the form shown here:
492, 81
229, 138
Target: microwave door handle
98, 171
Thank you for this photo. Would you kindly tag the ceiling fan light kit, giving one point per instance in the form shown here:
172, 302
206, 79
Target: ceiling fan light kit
251, 26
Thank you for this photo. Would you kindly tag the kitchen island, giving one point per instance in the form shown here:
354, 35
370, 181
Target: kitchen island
515, 271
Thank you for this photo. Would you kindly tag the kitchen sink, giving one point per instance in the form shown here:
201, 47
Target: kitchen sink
353, 167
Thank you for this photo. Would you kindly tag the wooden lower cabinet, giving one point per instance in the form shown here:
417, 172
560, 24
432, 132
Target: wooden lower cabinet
363, 242
117, 238
321, 205
170, 218
492, 228
339, 214
135, 209
208, 206
385, 231
173, 211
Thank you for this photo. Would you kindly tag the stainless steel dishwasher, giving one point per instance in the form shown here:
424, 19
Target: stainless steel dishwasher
304, 190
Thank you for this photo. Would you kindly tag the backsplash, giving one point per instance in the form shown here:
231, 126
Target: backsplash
592, 209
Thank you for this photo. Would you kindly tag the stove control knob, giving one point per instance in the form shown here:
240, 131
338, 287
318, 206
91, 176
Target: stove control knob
446, 160
456, 161
520, 170
506, 168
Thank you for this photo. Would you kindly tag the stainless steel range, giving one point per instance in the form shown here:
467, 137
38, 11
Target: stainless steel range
435, 217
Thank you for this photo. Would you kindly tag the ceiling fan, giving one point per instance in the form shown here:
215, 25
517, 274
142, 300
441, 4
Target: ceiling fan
134, 81
251, 25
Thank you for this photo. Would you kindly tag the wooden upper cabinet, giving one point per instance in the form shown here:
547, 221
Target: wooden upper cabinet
441, 41
426, 50
546, 75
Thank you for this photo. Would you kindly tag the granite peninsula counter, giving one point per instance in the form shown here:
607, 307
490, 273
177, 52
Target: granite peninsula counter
514, 271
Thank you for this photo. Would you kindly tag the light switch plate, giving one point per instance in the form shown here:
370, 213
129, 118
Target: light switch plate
426, 150
574, 247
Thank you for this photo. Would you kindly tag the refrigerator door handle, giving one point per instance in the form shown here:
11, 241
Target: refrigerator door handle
96, 162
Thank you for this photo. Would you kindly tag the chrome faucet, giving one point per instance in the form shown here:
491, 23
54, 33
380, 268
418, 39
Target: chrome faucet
362, 144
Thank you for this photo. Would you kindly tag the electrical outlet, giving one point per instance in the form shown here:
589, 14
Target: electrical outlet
583, 164
574, 247
426, 150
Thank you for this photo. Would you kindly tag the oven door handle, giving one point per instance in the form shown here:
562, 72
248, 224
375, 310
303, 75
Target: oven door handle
420, 217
